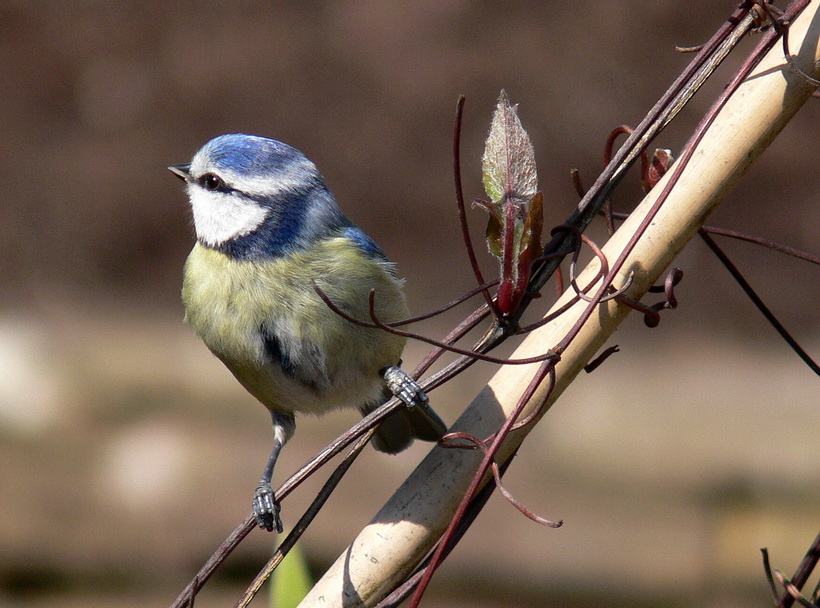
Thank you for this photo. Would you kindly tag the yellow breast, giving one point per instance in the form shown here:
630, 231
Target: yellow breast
231, 303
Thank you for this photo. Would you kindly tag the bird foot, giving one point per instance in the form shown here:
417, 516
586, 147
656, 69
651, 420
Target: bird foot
266, 509
404, 387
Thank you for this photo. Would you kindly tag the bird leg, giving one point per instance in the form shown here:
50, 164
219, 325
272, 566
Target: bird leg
265, 506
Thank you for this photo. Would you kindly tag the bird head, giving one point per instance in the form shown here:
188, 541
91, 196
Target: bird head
256, 197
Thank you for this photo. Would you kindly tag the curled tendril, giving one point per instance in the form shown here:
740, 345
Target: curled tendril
781, 26
651, 317
375, 323
604, 270
474, 443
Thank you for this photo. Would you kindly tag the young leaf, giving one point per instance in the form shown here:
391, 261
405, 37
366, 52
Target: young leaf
515, 206
509, 158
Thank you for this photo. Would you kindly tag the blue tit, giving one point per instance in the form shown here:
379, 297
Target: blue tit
267, 229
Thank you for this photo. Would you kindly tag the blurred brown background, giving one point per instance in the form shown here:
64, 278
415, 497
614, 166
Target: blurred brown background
127, 452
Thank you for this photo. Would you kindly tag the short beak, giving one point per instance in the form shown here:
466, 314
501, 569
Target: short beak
183, 172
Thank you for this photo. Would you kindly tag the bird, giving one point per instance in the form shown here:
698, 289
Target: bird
269, 237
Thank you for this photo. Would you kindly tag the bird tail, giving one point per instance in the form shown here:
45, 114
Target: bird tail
399, 429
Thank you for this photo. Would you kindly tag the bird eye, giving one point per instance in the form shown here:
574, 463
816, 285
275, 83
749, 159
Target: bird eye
212, 182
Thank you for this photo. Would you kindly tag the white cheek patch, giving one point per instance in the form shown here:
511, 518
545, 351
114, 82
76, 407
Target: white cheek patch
220, 217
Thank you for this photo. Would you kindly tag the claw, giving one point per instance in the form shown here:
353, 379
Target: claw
404, 387
266, 509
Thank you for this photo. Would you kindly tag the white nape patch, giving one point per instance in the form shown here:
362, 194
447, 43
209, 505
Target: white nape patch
220, 217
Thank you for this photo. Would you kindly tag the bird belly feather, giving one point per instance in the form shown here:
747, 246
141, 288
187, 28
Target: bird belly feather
266, 322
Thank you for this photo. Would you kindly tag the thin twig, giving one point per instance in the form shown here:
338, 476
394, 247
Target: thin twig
375, 323
763, 47
792, 590
705, 123
489, 456
452, 304
209, 567
462, 213
678, 94
476, 506
804, 570
474, 442
767, 569
758, 302
763, 242
750, 238
304, 521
